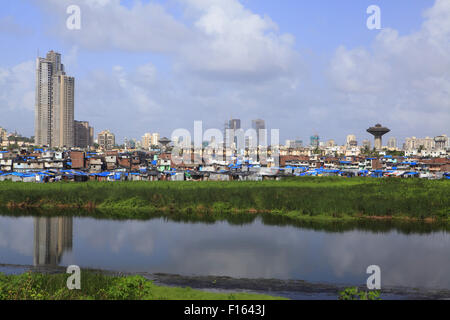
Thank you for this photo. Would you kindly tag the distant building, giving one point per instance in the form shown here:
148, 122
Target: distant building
230, 131
3, 135
414, 143
130, 143
441, 142
155, 139
314, 141
428, 144
351, 141
54, 104
84, 134
366, 144
106, 140
294, 144
330, 143
250, 142
147, 141
392, 143
234, 124
259, 125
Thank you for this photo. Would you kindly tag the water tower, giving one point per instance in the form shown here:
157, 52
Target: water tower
164, 142
378, 132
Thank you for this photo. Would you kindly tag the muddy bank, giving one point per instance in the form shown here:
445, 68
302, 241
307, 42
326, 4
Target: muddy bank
294, 289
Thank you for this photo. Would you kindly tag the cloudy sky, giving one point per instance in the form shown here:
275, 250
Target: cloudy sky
304, 66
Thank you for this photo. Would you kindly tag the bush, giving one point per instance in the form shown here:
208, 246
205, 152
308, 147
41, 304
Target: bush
353, 293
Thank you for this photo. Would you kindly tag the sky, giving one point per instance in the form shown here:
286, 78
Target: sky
306, 67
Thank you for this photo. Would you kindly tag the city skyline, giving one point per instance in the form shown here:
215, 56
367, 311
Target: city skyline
134, 90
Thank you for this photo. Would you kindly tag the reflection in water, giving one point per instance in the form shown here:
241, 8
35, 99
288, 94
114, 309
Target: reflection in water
52, 237
262, 248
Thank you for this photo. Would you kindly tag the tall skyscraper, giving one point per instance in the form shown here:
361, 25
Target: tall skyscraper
258, 125
54, 106
230, 131
234, 124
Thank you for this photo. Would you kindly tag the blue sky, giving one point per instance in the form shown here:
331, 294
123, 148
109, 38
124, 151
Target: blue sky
303, 66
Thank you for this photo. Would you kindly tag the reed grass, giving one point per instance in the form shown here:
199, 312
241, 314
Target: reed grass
327, 198
97, 286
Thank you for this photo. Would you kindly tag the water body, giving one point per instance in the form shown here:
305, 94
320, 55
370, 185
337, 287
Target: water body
254, 250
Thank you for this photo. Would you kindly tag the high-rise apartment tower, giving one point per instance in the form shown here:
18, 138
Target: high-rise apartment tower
54, 103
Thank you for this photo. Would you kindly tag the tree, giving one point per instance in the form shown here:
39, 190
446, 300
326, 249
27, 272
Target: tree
395, 153
13, 146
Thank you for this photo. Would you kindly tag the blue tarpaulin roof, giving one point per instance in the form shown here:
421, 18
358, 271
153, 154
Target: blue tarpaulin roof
102, 174
19, 174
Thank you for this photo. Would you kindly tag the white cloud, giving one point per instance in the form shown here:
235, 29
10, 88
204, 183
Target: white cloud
225, 40
405, 79
106, 25
17, 87
116, 98
236, 43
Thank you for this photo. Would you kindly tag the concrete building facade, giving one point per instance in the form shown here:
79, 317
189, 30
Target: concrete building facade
3, 135
155, 139
83, 134
147, 141
106, 140
259, 125
63, 111
54, 103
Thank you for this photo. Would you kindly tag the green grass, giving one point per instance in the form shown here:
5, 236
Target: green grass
309, 198
96, 286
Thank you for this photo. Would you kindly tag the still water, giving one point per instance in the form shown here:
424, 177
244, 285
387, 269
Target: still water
253, 250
